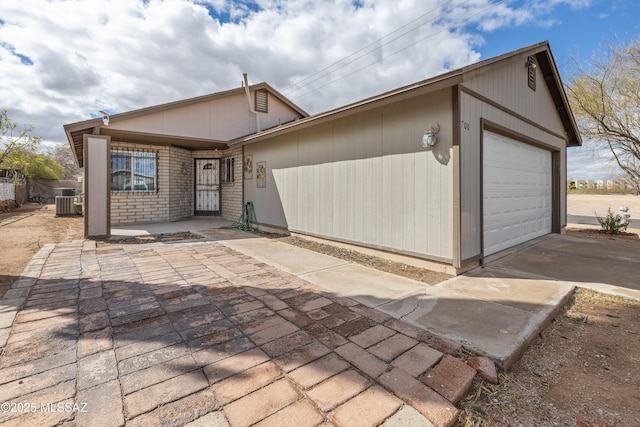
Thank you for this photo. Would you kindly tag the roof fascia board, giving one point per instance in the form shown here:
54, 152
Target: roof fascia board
563, 107
71, 144
479, 68
183, 103
551, 77
427, 86
144, 137
281, 97
441, 81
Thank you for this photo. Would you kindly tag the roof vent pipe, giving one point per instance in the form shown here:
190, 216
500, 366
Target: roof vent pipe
246, 90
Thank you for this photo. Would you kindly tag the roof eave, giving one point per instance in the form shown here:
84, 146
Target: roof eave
435, 83
554, 83
449, 79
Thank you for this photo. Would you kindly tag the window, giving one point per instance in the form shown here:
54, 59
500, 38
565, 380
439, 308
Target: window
229, 169
262, 101
133, 171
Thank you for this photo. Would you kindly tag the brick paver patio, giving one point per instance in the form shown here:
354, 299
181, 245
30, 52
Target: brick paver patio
169, 334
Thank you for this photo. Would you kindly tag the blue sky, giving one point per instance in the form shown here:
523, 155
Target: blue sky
63, 61
577, 32
571, 28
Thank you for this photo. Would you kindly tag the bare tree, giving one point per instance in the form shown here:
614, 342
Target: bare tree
605, 98
63, 155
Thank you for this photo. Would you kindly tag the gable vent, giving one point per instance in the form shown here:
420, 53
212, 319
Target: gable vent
262, 101
531, 71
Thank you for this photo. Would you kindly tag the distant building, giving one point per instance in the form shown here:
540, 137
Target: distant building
600, 184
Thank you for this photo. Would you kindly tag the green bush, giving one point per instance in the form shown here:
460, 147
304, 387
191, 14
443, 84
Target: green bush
612, 223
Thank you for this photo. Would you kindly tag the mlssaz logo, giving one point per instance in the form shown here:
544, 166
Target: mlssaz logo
65, 407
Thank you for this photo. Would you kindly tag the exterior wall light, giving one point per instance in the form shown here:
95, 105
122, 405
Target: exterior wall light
429, 138
105, 118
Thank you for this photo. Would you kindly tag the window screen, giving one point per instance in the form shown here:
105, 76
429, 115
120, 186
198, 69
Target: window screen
133, 171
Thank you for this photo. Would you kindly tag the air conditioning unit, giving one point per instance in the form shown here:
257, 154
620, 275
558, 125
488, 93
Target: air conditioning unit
65, 206
78, 202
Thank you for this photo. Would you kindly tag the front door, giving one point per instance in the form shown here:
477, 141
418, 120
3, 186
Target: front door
207, 186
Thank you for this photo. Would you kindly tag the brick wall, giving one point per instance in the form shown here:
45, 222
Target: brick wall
232, 194
140, 208
174, 199
181, 190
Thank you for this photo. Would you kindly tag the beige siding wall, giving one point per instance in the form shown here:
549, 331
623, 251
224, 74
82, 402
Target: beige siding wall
219, 119
472, 110
132, 208
364, 179
507, 85
278, 113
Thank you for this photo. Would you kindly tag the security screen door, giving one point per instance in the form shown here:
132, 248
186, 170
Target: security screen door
207, 186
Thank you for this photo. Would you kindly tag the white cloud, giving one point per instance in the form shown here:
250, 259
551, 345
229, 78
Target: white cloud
123, 54
591, 162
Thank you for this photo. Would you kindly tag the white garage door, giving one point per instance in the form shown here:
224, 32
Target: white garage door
517, 197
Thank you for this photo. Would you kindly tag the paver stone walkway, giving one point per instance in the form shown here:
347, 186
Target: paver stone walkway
194, 332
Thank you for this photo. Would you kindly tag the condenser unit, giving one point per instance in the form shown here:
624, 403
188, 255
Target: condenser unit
68, 205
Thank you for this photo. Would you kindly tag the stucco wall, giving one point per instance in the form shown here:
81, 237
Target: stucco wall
44, 190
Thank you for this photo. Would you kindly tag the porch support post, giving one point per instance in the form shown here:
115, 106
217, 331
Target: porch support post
97, 185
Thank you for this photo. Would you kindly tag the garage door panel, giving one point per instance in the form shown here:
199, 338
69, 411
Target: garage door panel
517, 192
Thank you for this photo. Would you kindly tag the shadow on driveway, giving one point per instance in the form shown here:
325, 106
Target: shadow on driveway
163, 334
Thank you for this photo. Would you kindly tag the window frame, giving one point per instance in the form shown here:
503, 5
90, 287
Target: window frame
135, 155
229, 170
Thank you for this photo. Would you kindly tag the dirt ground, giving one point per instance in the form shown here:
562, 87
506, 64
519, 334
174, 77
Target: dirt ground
590, 205
580, 371
23, 231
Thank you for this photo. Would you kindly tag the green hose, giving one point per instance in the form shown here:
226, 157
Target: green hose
247, 220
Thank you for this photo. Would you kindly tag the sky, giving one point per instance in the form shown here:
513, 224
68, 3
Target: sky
62, 61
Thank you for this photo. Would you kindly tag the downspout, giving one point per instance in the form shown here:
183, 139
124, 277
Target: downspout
246, 90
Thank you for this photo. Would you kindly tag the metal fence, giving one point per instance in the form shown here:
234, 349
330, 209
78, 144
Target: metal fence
7, 190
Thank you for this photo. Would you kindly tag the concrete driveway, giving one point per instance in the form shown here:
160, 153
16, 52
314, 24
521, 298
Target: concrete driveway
498, 309
605, 264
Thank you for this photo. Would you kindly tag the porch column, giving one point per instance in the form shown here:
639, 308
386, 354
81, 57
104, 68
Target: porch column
97, 185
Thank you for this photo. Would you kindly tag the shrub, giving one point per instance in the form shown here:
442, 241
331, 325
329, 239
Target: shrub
612, 223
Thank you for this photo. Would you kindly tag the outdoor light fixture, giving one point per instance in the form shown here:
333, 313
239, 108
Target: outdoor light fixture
530, 64
105, 117
429, 138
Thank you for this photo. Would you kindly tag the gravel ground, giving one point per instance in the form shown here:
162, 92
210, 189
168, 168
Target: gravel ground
400, 269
